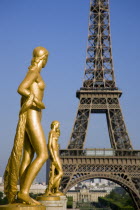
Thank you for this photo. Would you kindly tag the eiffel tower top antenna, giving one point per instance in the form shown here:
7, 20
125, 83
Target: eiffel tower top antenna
99, 93
99, 72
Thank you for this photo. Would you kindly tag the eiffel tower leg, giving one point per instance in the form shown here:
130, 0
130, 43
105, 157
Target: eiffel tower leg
135, 199
117, 130
79, 130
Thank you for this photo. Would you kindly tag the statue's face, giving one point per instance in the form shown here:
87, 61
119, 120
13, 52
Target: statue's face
57, 125
44, 61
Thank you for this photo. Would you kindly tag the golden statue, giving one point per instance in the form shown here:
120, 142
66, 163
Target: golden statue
56, 171
29, 138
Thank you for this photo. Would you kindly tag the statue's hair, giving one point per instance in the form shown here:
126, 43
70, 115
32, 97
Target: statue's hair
35, 61
39, 53
53, 123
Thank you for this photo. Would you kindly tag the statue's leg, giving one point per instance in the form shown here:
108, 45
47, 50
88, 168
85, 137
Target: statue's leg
57, 180
28, 154
49, 190
59, 174
38, 142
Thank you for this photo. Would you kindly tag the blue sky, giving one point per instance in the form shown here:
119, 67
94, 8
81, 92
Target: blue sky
62, 27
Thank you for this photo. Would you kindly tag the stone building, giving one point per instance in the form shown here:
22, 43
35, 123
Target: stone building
86, 195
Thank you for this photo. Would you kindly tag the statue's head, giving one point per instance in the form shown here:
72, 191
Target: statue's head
55, 123
40, 53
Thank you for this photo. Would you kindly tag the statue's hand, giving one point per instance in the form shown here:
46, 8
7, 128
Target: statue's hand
39, 104
55, 163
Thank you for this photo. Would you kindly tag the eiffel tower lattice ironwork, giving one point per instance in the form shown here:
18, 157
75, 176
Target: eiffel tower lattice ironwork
99, 94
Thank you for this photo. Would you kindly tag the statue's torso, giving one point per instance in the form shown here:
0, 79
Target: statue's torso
37, 89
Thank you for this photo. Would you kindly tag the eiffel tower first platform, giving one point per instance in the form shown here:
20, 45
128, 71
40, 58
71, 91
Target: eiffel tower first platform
99, 94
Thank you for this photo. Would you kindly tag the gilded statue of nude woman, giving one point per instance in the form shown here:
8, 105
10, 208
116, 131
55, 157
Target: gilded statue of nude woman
29, 138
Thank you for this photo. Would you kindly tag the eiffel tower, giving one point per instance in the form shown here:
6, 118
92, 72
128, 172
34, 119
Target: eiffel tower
99, 94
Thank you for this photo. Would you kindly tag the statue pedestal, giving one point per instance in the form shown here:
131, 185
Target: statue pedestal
53, 202
63, 199
19, 206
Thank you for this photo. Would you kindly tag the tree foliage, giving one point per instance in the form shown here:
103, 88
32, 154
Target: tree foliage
117, 200
3, 199
69, 202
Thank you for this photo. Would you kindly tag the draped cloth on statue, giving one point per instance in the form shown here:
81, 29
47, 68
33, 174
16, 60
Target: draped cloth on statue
11, 174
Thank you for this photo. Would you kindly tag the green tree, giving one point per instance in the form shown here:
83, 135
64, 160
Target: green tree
3, 199
121, 199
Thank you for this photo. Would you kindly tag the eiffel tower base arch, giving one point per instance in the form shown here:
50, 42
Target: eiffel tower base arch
123, 168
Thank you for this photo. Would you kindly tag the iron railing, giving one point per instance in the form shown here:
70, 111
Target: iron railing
99, 152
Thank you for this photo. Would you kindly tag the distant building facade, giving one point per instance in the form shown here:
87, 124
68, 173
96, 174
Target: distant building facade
35, 188
1, 179
85, 195
91, 190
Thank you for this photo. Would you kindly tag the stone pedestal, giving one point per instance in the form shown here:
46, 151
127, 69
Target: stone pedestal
63, 199
19, 206
54, 203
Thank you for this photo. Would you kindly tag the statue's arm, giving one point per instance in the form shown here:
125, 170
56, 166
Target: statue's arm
24, 87
50, 145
